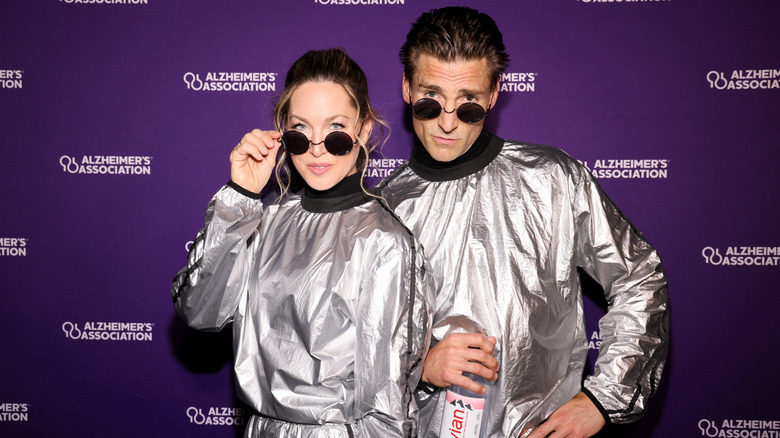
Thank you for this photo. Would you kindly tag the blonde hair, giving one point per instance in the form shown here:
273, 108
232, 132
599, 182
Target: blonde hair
329, 65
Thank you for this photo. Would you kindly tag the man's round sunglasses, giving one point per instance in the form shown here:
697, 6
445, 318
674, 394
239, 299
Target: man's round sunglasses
336, 143
469, 112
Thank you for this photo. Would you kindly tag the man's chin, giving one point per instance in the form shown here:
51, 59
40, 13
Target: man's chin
443, 154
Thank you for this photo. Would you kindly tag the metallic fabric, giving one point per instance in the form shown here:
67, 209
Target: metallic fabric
330, 313
505, 241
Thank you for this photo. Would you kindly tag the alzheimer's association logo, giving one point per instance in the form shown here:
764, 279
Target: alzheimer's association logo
742, 256
13, 246
740, 428
216, 416
359, 2
107, 2
108, 331
11, 79
14, 412
193, 81
649, 168
382, 167
107, 165
595, 341
231, 81
516, 82
761, 79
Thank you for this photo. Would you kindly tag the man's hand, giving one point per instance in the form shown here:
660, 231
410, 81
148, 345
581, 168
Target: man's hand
579, 418
458, 353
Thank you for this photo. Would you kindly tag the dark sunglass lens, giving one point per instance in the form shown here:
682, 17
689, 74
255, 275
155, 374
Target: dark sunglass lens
338, 143
295, 142
426, 108
471, 112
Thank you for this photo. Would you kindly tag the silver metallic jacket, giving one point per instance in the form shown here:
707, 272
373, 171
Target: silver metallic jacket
505, 233
330, 304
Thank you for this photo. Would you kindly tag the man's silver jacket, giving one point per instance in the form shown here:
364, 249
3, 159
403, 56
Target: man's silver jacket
505, 234
330, 312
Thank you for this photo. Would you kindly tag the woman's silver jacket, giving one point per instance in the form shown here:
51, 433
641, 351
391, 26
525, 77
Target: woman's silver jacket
330, 311
505, 234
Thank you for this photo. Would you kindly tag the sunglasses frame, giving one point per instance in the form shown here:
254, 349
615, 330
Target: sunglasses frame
286, 137
459, 111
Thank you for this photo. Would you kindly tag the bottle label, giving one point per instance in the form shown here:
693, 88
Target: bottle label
462, 416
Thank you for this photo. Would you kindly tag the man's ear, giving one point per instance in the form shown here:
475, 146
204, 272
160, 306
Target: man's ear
406, 89
494, 93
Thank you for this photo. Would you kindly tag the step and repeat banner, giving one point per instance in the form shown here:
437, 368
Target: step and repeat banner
117, 118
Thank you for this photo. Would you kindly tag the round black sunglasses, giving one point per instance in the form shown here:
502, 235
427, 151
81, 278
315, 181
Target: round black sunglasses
336, 143
427, 109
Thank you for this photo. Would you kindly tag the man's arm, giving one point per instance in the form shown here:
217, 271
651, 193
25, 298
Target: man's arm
635, 329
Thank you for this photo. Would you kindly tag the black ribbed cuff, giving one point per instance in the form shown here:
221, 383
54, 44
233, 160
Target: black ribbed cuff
243, 191
598, 404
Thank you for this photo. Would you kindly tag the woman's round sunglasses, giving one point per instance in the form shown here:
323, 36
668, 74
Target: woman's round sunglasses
469, 112
336, 143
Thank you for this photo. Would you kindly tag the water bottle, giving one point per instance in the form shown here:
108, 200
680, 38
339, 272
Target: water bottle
464, 411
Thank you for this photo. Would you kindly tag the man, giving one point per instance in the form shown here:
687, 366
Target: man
506, 226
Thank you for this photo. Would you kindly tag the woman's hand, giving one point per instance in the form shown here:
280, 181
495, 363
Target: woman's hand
252, 161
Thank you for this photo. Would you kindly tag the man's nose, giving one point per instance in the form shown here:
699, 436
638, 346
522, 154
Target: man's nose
448, 120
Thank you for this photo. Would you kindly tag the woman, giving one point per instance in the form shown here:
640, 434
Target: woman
326, 289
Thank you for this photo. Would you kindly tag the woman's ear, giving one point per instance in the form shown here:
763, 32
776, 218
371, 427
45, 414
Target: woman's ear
365, 130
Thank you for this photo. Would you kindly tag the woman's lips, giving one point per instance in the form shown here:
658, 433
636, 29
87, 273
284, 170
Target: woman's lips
319, 168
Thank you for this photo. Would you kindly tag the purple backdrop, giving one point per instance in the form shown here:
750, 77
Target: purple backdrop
117, 118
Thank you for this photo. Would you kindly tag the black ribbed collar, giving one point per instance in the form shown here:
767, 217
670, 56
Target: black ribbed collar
485, 148
346, 194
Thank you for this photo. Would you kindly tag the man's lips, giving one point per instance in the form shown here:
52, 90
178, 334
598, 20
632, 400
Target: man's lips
445, 141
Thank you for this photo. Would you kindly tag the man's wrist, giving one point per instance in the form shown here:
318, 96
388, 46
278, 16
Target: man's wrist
597, 403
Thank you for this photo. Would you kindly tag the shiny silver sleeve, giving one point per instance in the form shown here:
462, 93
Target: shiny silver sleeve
635, 329
206, 292
394, 329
